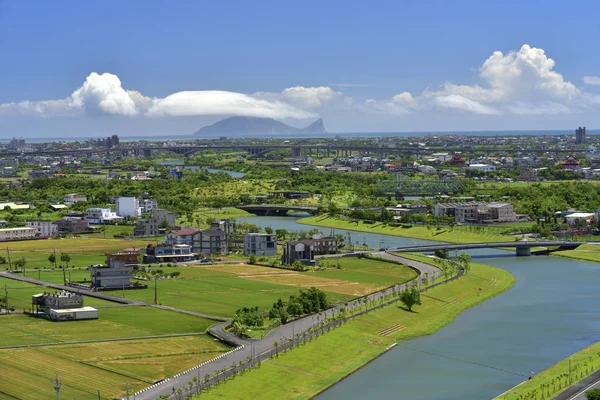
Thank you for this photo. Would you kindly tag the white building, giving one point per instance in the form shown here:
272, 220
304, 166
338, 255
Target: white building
74, 198
148, 205
44, 228
260, 244
17, 233
580, 216
482, 167
128, 207
101, 215
14, 206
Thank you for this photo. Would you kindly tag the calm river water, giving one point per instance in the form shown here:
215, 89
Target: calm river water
550, 313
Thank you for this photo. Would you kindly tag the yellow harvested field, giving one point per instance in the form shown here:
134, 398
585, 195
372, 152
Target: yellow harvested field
76, 245
246, 269
326, 284
84, 369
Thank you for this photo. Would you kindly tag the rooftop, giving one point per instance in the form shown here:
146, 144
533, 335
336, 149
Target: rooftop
185, 232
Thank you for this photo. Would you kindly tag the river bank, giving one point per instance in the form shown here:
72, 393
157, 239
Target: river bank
312, 368
554, 380
457, 234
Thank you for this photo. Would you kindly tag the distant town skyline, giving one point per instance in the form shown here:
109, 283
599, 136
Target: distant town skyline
157, 68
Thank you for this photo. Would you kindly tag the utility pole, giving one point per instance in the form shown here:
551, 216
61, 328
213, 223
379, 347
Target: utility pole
57, 388
6, 297
127, 389
155, 291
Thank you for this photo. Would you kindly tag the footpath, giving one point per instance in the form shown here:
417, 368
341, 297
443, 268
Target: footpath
249, 352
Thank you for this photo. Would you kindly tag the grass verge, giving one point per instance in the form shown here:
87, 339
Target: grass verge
555, 379
304, 372
586, 252
460, 234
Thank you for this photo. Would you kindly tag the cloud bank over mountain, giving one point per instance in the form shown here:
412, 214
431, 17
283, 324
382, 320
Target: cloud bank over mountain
523, 82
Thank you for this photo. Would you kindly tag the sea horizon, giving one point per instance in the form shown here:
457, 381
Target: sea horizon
163, 137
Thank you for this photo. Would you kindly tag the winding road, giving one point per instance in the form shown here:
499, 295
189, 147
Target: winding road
279, 334
245, 347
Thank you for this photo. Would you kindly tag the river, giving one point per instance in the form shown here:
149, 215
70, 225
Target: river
181, 163
550, 313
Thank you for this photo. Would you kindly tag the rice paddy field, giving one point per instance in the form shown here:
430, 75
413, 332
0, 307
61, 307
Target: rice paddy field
19, 294
217, 290
221, 289
83, 251
104, 367
113, 323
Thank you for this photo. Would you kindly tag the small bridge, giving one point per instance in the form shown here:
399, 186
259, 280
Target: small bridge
523, 248
276, 209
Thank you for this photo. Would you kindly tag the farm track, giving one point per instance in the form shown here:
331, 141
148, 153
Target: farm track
21, 346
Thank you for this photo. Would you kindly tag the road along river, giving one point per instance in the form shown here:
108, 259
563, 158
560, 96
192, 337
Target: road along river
550, 313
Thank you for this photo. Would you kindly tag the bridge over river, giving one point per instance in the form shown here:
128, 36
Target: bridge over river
523, 248
276, 209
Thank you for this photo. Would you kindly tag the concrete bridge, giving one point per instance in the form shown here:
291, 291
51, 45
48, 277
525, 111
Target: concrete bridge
258, 150
522, 248
276, 209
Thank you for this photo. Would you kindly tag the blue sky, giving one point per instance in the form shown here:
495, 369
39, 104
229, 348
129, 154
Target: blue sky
170, 67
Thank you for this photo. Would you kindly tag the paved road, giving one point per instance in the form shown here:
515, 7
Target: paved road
279, 334
98, 295
577, 391
106, 296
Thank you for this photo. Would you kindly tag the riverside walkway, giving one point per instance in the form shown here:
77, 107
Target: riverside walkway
284, 334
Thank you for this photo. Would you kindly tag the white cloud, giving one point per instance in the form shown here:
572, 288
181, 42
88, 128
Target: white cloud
142, 103
405, 99
591, 80
103, 94
214, 102
522, 82
309, 97
514, 82
47, 108
459, 102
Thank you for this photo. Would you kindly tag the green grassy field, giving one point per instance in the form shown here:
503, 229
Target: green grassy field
85, 369
586, 252
217, 292
79, 274
555, 379
222, 289
113, 323
366, 270
83, 251
460, 234
19, 294
307, 370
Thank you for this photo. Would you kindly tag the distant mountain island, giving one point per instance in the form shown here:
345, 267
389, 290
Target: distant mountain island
254, 125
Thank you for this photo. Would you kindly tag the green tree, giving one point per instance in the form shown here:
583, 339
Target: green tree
593, 394
441, 253
268, 230
252, 259
281, 234
410, 297
52, 259
465, 260
64, 257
